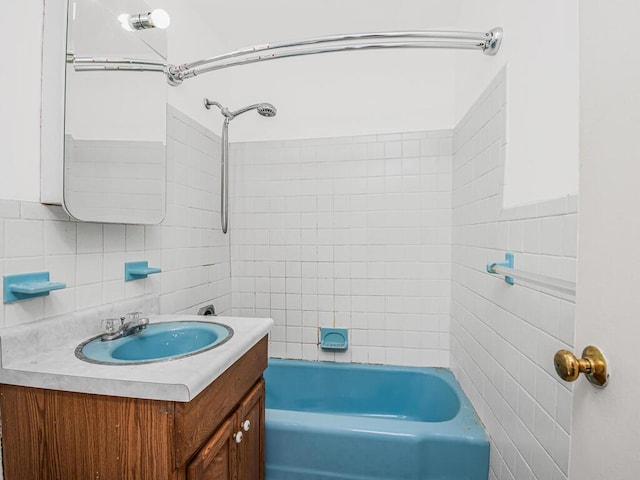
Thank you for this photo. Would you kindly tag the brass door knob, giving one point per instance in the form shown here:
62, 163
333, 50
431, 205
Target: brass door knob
592, 364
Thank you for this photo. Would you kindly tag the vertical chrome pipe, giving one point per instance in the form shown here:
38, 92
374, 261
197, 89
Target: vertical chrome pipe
224, 176
264, 109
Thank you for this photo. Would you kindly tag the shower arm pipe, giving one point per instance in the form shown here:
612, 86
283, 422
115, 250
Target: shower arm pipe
488, 42
228, 113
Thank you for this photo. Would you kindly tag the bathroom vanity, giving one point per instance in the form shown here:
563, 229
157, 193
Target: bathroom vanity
217, 433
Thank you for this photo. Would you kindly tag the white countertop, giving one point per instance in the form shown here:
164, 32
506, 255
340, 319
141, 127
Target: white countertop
43, 355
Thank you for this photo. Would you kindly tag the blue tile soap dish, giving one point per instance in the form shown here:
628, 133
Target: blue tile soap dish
138, 270
334, 338
24, 286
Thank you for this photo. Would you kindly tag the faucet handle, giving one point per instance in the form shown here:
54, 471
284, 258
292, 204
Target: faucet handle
111, 325
132, 317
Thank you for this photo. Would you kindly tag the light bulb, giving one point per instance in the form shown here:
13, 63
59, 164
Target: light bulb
124, 22
160, 18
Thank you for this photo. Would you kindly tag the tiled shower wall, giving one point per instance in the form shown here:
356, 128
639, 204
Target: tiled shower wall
90, 257
503, 337
349, 232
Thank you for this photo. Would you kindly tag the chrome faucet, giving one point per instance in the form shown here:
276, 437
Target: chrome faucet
130, 324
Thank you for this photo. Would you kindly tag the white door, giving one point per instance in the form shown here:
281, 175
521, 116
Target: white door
606, 423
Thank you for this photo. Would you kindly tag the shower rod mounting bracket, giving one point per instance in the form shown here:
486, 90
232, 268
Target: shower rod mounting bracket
508, 263
174, 77
494, 41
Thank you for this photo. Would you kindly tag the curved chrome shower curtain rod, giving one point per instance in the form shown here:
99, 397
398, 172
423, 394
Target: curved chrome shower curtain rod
488, 43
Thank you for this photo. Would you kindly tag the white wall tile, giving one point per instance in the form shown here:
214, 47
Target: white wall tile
134, 238
114, 238
90, 257
344, 247
62, 268
23, 265
88, 268
570, 235
90, 238
60, 238
9, 209
23, 238
88, 296
503, 338
552, 231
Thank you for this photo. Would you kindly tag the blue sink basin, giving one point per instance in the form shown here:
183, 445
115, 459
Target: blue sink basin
157, 342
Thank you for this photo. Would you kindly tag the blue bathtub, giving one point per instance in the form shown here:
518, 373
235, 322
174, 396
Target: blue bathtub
363, 422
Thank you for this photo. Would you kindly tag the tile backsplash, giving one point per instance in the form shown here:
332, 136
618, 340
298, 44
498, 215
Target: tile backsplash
90, 257
349, 232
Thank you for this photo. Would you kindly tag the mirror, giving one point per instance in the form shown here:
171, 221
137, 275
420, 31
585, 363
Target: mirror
115, 121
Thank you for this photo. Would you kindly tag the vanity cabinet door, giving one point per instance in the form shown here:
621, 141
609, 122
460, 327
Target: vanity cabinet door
236, 450
217, 459
251, 423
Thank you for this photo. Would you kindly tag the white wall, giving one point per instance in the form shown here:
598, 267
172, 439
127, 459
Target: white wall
606, 425
192, 36
21, 42
541, 50
348, 93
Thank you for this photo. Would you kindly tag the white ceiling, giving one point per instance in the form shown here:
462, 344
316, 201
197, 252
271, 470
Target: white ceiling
239, 23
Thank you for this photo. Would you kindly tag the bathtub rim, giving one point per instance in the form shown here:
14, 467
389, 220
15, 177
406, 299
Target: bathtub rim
465, 424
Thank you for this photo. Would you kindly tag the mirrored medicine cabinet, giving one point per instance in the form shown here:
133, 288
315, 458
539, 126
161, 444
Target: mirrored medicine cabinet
113, 151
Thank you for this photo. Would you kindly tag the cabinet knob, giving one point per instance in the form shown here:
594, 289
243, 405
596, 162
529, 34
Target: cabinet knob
246, 425
237, 437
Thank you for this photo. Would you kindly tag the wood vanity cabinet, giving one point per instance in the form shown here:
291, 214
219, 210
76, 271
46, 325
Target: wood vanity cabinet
219, 435
230, 453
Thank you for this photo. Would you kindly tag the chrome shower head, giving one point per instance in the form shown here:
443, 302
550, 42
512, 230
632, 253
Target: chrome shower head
264, 109
267, 110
